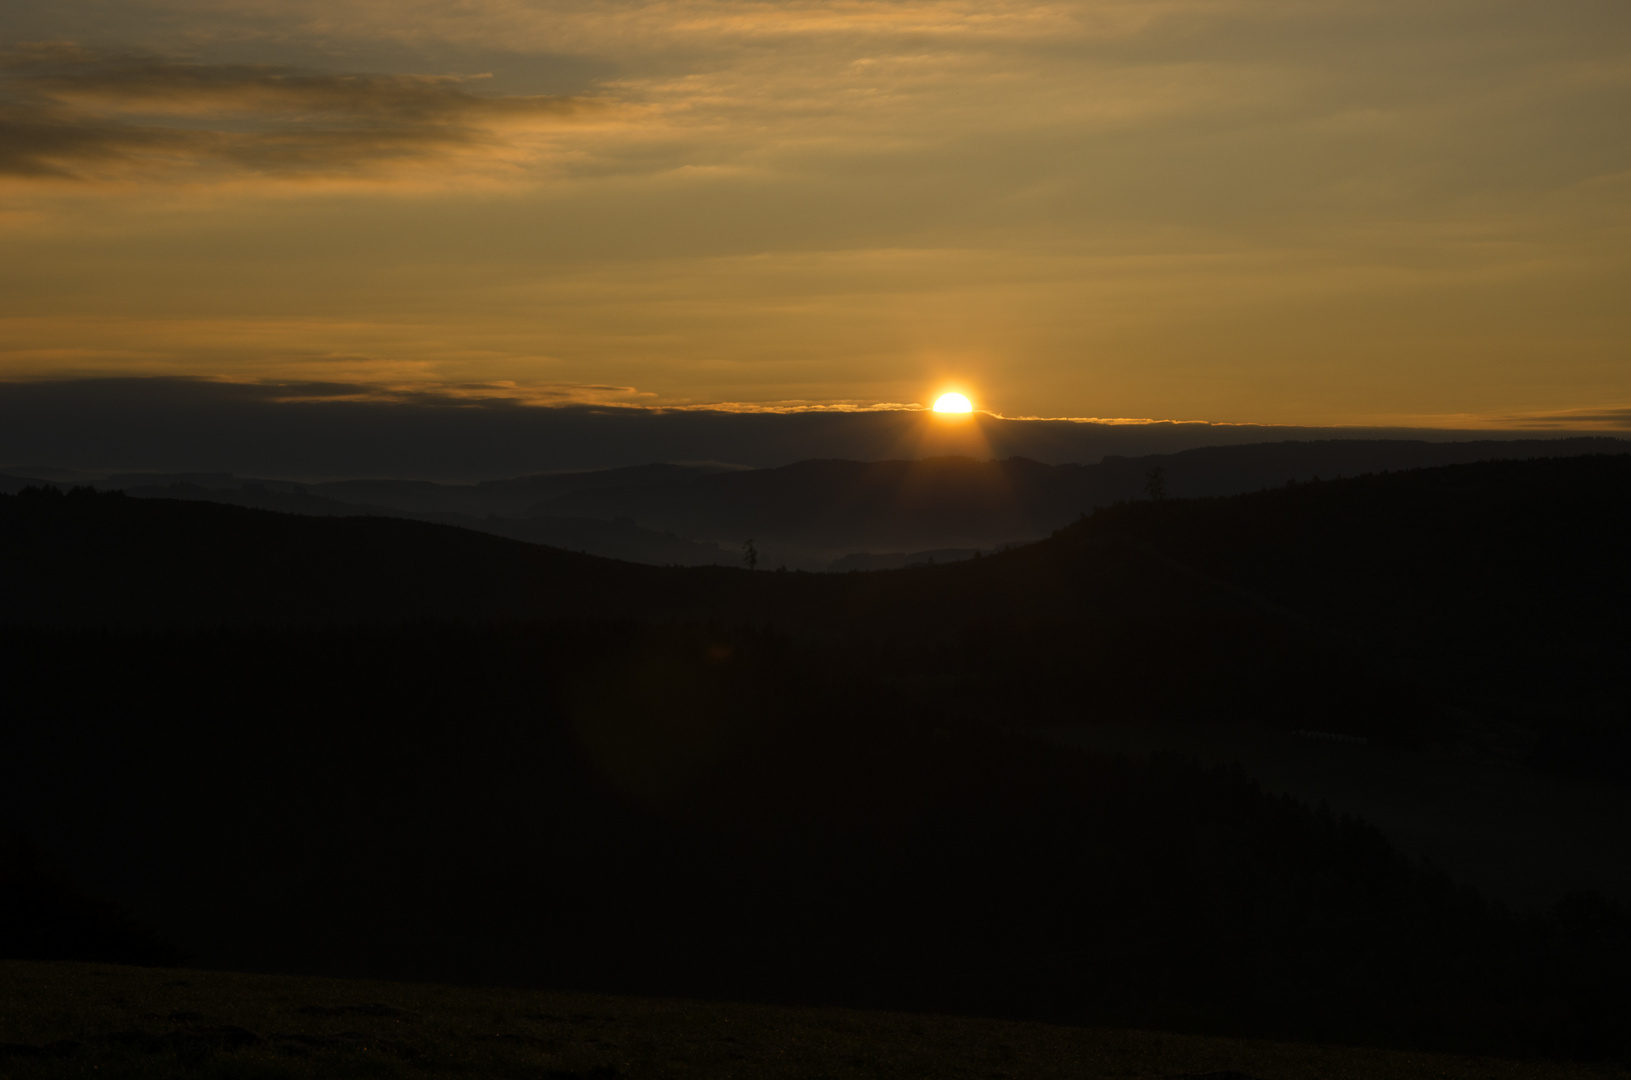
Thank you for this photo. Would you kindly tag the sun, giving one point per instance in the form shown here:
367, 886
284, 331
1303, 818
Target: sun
953, 403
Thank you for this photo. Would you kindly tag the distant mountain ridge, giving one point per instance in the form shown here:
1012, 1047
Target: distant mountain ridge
255, 429
617, 538
816, 514
1353, 556
955, 502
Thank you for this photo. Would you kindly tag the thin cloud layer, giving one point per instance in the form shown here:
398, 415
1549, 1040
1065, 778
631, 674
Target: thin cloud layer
331, 430
444, 395
1609, 419
73, 113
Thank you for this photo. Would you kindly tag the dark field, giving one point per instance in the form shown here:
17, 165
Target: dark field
81, 1020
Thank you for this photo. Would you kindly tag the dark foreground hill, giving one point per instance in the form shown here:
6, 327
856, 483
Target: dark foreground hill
366, 747
616, 537
88, 559
703, 813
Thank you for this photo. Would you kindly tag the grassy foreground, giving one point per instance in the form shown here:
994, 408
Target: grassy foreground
73, 1019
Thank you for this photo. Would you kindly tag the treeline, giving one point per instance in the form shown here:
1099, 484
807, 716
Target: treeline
1493, 592
1409, 607
694, 810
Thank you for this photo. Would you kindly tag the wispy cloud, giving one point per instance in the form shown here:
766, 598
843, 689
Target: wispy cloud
447, 394
513, 393
1612, 418
67, 112
333, 429
1566, 421
790, 407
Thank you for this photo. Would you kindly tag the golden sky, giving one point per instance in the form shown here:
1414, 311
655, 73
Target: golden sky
1317, 212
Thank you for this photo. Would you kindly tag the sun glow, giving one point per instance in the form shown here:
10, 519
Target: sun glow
952, 403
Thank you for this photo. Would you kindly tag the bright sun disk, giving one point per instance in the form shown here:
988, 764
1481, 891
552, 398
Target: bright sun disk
952, 403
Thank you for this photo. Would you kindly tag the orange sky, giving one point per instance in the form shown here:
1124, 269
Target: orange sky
1271, 211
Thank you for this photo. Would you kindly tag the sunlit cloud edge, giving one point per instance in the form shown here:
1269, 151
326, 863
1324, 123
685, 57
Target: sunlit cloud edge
630, 399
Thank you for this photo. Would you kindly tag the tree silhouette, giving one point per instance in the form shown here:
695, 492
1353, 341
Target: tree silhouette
1155, 485
750, 554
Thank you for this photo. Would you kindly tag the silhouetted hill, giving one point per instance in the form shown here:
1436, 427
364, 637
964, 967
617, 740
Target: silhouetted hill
107, 559
716, 813
960, 502
619, 538
510, 497
811, 514
373, 746
1488, 595
1489, 591
1502, 558
935, 502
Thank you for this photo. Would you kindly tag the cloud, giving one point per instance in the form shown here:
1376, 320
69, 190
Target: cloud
1238, 209
315, 430
447, 394
1566, 422
1601, 419
789, 407
71, 113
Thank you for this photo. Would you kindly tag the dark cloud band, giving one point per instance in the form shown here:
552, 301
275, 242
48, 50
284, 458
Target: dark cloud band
331, 430
67, 112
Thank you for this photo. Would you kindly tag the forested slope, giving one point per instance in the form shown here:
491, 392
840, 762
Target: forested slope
1492, 588
390, 748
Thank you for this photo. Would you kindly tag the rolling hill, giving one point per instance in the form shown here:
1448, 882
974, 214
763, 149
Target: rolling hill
812, 514
366, 746
1497, 574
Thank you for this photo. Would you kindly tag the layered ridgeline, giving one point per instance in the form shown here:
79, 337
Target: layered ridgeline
366, 746
826, 514
1497, 585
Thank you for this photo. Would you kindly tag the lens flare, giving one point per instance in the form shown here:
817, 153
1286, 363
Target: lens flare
952, 403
